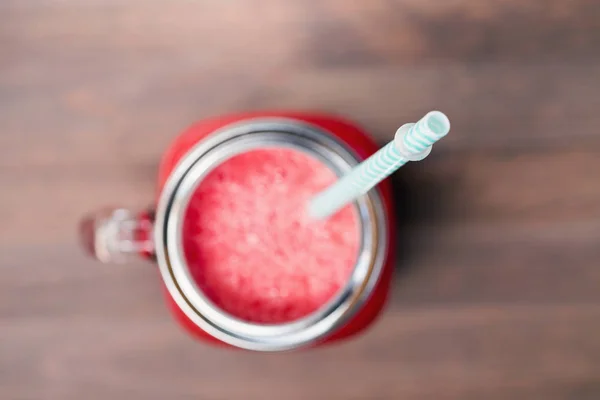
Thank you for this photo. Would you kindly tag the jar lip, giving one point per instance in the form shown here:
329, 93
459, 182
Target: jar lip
221, 145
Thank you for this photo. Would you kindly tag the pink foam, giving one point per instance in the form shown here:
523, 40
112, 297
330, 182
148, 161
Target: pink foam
250, 245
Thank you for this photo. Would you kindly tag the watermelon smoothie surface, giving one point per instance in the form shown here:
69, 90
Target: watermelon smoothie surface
250, 245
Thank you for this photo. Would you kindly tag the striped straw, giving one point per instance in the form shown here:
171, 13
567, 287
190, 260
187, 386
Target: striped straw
412, 143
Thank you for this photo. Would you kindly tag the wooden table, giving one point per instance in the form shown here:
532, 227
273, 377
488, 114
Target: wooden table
497, 293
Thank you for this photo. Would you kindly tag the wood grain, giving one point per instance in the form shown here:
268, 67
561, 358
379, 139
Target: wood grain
497, 291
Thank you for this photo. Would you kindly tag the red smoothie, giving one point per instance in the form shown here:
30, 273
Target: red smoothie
251, 247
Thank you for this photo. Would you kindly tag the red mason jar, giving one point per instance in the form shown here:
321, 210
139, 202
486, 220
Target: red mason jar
304, 284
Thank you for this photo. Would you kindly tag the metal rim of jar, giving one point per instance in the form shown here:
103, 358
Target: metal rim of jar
172, 205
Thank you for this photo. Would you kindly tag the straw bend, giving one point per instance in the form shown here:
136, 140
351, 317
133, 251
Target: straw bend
403, 149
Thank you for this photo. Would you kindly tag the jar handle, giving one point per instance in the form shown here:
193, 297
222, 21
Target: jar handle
117, 235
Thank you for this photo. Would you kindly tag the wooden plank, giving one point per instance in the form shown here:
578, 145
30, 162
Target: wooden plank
43, 206
331, 32
106, 121
499, 264
450, 352
500, 187
491, 105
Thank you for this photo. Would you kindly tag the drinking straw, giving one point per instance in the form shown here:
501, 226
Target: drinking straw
412, 142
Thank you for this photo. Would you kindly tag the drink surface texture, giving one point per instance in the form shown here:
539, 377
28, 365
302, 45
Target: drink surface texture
252, 248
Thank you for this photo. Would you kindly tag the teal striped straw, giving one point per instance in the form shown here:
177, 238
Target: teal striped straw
412, 142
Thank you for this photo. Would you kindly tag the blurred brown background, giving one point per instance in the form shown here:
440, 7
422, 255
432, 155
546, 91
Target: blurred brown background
497, 294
